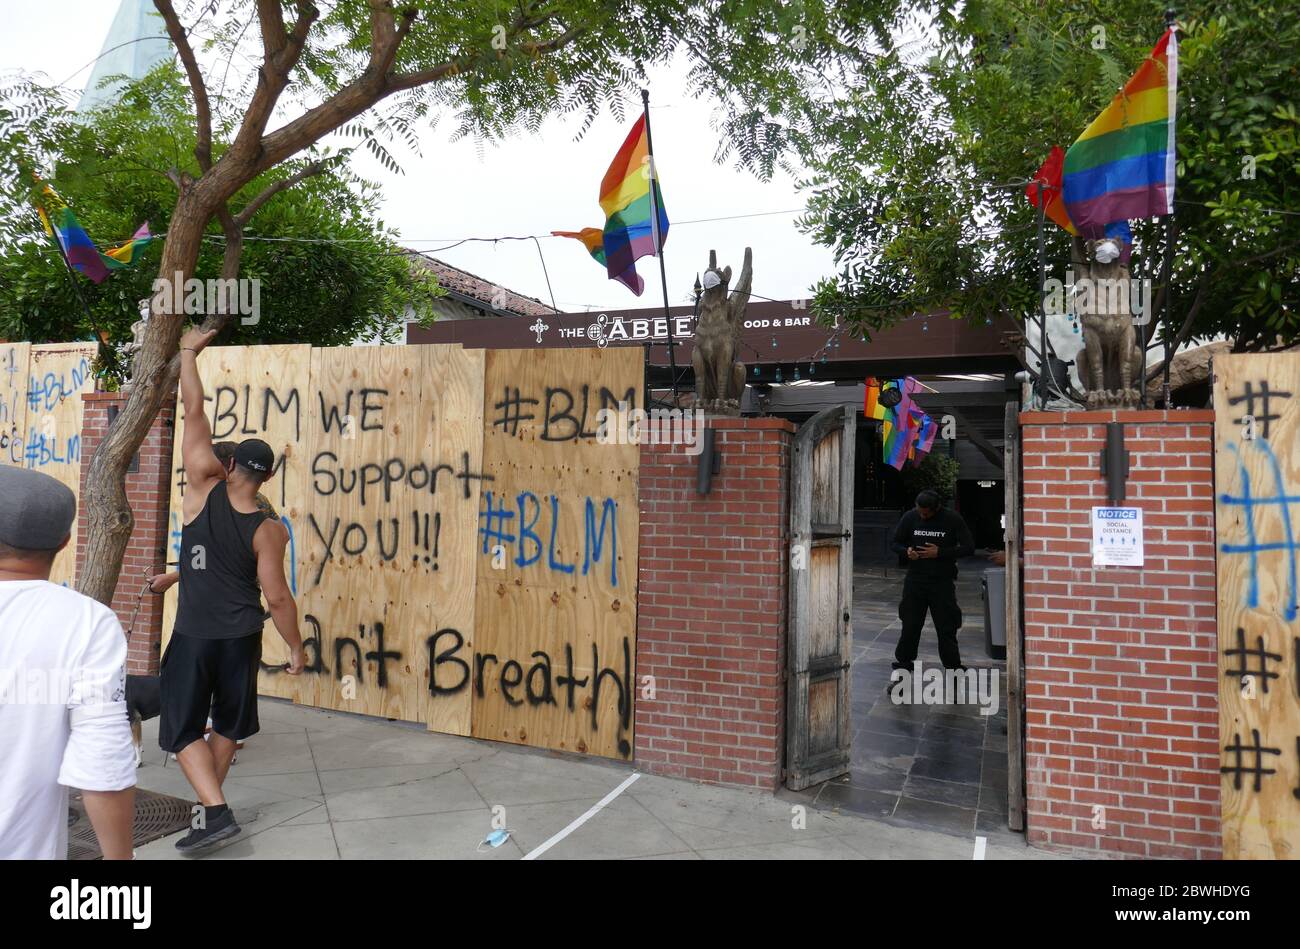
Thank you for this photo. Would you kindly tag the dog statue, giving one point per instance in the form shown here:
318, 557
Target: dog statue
719, 375
1110, 362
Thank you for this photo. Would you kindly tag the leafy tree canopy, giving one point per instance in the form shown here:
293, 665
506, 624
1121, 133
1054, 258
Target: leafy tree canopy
913, 157
329, 272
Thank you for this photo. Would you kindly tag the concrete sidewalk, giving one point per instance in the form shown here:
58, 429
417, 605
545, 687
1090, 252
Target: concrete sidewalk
318, 785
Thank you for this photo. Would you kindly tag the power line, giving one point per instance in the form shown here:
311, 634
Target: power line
458, 241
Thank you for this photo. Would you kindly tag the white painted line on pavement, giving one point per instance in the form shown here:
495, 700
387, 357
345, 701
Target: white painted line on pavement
595, 809
979, 848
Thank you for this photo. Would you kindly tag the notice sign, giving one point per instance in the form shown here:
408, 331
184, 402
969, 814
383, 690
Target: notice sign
1117, 537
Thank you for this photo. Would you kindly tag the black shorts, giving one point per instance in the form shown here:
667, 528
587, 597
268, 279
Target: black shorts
198, 675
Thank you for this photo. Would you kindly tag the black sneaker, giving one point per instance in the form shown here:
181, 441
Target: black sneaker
218, 829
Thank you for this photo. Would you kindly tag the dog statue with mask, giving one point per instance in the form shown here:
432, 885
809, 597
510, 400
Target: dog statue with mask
1110, 362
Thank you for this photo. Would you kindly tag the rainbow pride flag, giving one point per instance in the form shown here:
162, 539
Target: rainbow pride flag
125, 254
924, 441
593, 238
61, 224
1122, 166
901, 425
1050, 173
631, 230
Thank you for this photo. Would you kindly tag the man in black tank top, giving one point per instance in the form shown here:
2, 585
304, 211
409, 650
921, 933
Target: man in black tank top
232, 555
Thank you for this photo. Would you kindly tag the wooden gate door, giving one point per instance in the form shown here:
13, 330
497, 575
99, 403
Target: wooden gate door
821, 598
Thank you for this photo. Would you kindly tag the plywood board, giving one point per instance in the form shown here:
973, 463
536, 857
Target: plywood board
557, 553
14, 359
256, 392
58, 375
452, 406
1257, 478
391, 507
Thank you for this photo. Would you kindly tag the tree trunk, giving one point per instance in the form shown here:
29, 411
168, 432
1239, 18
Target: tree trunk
108, 513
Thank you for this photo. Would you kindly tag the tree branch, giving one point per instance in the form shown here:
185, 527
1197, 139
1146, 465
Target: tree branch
281, 53
383, 35
307, 14
271, 190
233, 229
271, 23
202, 110
1186, 328
551, 45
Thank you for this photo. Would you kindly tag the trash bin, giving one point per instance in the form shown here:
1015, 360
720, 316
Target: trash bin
995, 616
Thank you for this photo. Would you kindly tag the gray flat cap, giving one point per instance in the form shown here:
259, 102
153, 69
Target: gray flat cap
36, 511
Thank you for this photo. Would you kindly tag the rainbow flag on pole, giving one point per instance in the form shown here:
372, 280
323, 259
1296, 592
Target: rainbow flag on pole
81, 252
1122, 166
631, 230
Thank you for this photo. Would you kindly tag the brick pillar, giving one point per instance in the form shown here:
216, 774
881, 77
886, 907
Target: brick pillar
711, 608
1121, 674
149, 491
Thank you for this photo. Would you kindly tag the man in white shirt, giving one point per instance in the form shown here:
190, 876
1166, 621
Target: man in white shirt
63, 716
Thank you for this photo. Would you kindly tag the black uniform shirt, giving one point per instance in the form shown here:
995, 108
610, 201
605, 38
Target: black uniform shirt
946, 530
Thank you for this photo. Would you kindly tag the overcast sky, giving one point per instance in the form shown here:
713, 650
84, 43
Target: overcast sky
528, 185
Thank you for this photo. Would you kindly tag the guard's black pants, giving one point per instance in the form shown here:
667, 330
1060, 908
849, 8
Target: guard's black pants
939, 596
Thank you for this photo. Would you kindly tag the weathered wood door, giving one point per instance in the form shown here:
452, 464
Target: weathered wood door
821, 598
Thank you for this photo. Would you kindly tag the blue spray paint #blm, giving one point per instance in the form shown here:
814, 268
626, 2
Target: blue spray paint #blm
505, 524
45, 393
1254, 546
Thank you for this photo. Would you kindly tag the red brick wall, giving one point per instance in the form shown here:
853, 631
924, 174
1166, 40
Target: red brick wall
1121, 677
711, 608
148, 490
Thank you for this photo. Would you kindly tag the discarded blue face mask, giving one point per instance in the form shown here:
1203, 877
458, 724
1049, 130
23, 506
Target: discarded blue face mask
497, 838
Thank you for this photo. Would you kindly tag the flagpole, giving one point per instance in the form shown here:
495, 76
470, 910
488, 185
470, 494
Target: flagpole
1042, 300
654, 230
1165, 395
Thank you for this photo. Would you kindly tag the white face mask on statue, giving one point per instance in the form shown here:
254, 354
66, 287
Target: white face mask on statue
1107, 252
710, 279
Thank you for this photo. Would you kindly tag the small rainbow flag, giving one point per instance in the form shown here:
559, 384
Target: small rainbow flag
81, 252
593, 238
902, 426
925, 432
125, 254
1122, 166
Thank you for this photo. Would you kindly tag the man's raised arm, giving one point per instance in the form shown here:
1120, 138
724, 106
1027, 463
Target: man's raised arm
201, 464
268, 544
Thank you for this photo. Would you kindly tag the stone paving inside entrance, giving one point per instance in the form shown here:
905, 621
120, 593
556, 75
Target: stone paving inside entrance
940, 767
